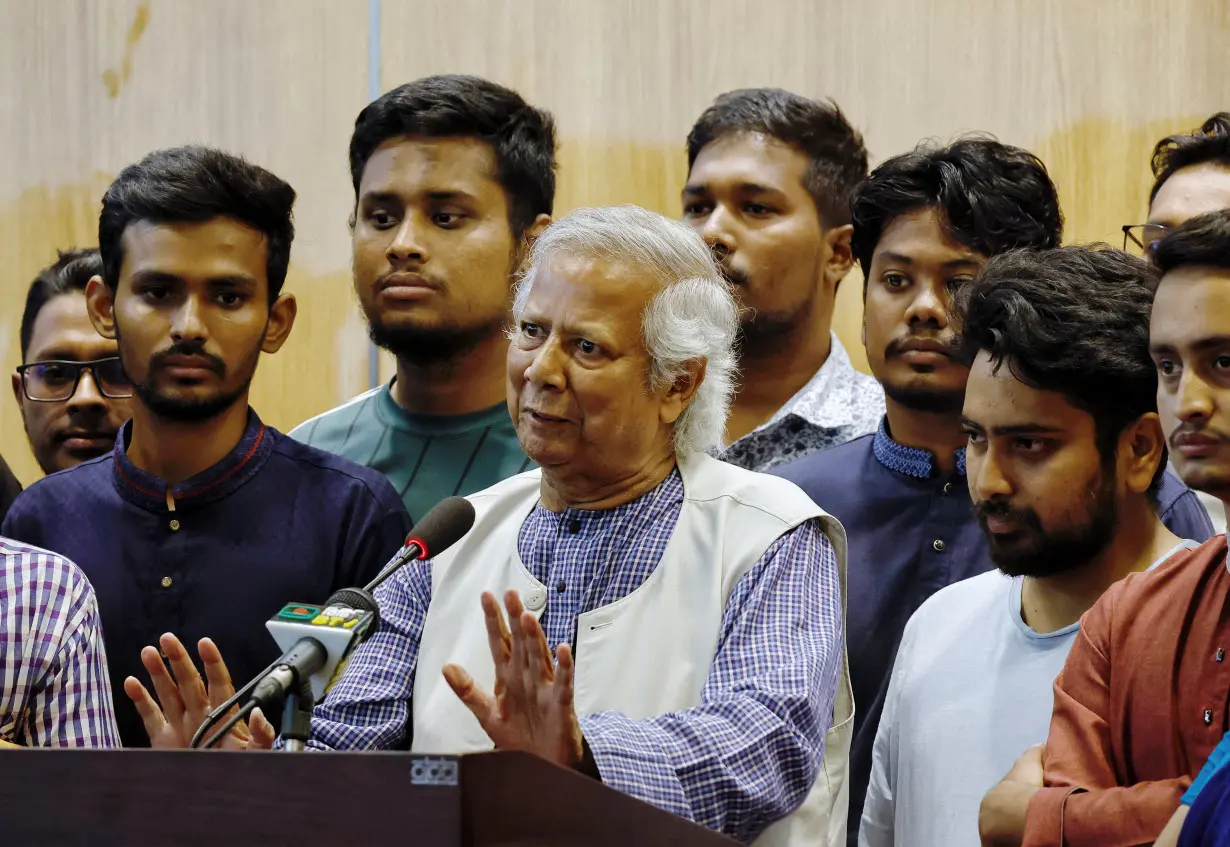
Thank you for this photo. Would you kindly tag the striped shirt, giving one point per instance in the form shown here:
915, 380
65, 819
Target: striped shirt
53, 671
426, 457
744, 757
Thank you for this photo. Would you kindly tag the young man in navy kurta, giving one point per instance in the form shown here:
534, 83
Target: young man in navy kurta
203, 520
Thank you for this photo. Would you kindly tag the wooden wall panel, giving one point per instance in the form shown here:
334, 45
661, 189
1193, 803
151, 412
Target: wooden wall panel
1089, 86
93, 85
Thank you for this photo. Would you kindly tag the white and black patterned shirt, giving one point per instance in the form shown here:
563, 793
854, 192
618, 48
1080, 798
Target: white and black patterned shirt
836, 405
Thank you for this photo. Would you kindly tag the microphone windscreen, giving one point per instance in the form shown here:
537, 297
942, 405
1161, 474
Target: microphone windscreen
444, 525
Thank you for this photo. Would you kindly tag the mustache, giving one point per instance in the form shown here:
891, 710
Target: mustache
951, 344
732, 275
1027, 518
187, 348
1189, 429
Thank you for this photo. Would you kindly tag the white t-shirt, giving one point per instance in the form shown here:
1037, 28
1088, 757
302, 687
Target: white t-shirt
971, 690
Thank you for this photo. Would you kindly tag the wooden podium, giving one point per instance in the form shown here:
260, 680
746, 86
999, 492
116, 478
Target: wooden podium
150, 797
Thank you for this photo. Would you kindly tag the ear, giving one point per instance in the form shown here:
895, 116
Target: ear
100, 303
841, 258
1142, 447
18, 394
281, 319
537, 227
681, 393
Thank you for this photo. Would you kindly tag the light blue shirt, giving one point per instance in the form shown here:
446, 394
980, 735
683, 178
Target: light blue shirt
971, 690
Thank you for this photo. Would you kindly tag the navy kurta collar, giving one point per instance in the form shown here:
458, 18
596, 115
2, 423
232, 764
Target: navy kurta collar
212, 484
910, 461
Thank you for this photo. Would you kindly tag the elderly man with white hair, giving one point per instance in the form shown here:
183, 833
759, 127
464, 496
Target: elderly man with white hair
674, 624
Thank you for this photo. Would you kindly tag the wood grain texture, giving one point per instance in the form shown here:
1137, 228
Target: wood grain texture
94, 84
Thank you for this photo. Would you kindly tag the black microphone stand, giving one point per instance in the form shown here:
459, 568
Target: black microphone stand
297, 717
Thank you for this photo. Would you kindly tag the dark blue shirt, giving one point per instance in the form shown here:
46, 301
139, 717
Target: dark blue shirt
274, 522
911, 531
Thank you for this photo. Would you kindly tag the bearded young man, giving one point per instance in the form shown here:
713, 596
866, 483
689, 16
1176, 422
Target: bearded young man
1066, 454
202, 519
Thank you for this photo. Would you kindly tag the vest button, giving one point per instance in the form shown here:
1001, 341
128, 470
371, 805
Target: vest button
535, 599
174, 525
166, 582
938, 545
948, 488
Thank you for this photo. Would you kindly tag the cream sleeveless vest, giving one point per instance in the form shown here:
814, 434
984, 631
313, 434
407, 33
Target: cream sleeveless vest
648, 653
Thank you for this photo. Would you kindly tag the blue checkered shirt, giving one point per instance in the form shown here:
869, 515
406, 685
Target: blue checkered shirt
743, 758
54, 690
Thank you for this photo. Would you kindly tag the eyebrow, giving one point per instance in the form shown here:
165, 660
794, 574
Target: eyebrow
692, 189
154, 276
1213, 342
951, 264
393, 197
1014, 429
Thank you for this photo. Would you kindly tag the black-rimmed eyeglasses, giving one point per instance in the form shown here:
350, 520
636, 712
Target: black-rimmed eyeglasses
1142, 238
56, 381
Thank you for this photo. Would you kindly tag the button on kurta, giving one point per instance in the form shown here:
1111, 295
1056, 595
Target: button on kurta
1208, 717
948, 488
166, 582
174, 525
938, 545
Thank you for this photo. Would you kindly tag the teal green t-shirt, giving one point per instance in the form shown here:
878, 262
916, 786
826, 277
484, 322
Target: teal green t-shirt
426, 457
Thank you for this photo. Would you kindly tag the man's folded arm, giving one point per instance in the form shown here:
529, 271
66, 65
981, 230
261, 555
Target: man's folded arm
1083, 804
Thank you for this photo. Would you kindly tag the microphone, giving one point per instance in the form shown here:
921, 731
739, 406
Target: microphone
318, 640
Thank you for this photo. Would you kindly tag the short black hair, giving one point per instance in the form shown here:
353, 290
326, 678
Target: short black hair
816, 127
195, 184
72, 271
991, 197
456, 105
1210, 143
1073, 320
1202, 240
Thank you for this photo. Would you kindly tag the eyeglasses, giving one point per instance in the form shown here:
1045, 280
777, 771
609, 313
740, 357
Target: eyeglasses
56, 381
1142, 238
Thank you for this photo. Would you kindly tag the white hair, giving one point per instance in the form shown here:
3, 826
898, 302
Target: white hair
692, 317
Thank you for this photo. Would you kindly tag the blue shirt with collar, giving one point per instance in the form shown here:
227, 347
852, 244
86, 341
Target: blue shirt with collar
274, 522
911, 531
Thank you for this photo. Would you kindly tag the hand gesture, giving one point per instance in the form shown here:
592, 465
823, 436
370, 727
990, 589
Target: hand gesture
184, 702
531, 708
1001, 818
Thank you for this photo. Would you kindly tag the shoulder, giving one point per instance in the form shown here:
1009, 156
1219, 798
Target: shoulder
866, 399
1181, 510
966, 595
333, 470
827, 465
327, 427
34, 568
1141, 600
88, 480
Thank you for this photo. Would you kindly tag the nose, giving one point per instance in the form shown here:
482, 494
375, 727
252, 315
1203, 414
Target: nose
716, 230
407, 244
1195, 398
87, 395
929, 306
545, 369
187, 324
987, 479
